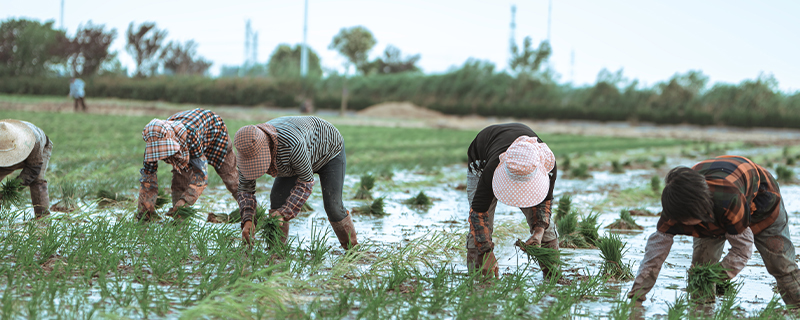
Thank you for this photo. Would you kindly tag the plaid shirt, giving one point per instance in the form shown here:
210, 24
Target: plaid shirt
206, 135
744, 194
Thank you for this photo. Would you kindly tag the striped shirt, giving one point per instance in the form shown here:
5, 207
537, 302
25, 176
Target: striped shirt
206, 136
744, 194
305, 144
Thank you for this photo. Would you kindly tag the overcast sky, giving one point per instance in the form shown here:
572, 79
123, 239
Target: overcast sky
729, 40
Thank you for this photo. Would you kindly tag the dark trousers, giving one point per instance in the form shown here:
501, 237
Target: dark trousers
331, 177
82, 104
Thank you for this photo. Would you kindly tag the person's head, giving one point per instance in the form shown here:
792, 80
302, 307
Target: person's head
253, 156
686, 197
521, 179
161, 141
16, 142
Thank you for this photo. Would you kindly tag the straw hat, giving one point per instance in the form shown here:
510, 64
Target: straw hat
253, 155
521, 179
16, 142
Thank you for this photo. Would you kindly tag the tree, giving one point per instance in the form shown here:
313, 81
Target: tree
526, 62
354, 43
144, 45
392, 61
183, 59
89, 49
28, 48
285, 62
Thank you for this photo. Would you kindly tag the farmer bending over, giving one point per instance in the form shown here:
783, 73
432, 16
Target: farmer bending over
25, 146
293, 149
725, 198
508, 162
189, 141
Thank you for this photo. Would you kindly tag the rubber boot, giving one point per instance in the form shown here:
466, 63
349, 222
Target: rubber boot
40, 199
346, 232
285, 230
546, 271
789, 287
472, 259
476, 260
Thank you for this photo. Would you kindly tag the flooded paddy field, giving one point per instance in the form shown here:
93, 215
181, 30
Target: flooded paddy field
97, 262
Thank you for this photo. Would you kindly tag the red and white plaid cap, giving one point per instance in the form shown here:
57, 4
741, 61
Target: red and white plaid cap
161, 140
521, 179
253, 155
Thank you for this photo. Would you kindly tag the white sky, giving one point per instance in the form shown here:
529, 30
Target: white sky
729, 40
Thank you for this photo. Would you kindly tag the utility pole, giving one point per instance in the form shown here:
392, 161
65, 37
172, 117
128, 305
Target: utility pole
304, 49
512, 40
254, 49
572, 66
62, 14
246, 44
549, 15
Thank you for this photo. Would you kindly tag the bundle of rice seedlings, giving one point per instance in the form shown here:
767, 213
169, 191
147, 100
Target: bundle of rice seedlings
568, 235
564, 164
655, 185
784, 174
270, 228
564, 207
235, 216
703, 279
548, 257
790, 161
185, 212
625, 222
421, 200
642, 212
588, 228
217, 218
616, 167
12, 193
661, 162
580, 172
67, 202
612, 249
107, 197
162, 199
376, 208
367, 183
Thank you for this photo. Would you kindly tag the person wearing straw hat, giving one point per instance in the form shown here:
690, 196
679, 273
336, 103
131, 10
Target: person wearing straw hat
511, 164
724, 199
293, 149
189, 141
25, 146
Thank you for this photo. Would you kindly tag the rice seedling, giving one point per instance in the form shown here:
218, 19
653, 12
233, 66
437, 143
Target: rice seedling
269, 226
564, 206
661, 162
612, 249
11, 193
107, 197
375, 208
625, 222
306, 207
580, 172
568, 235
655, 185
784, 174
703, 279
679, 309
772, 311
790, 161
420, 200
68, 201
616, 167
588, 228
184, 213
548, 257
365, 187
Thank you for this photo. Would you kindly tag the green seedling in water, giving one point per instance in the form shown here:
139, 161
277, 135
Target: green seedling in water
616, 167
365, 187
612, 249
588, 228
421, 199
270, 227
625, 222
375, 208
661, 162
564, 164
236, 216
68, 201
580, 172
185, 212
703, 280
568, 233
12, 193
108, 197
784, 174
548, 257
564, 207
655, 185
162, 199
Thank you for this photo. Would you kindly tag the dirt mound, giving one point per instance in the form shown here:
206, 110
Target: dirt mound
399, 110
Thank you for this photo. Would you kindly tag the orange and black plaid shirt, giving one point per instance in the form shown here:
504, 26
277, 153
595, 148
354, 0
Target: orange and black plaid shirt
206, 136
744, 194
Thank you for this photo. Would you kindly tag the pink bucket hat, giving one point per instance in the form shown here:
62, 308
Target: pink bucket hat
521, 179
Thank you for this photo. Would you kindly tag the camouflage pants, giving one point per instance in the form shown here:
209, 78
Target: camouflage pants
472, 185
227, 171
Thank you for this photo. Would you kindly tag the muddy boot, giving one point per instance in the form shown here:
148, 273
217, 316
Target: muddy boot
472, 260
345, 231
285, 230
546, 270
40, 198
789, 287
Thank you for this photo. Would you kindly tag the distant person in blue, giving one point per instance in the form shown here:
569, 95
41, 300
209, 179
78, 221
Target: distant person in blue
76, 92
